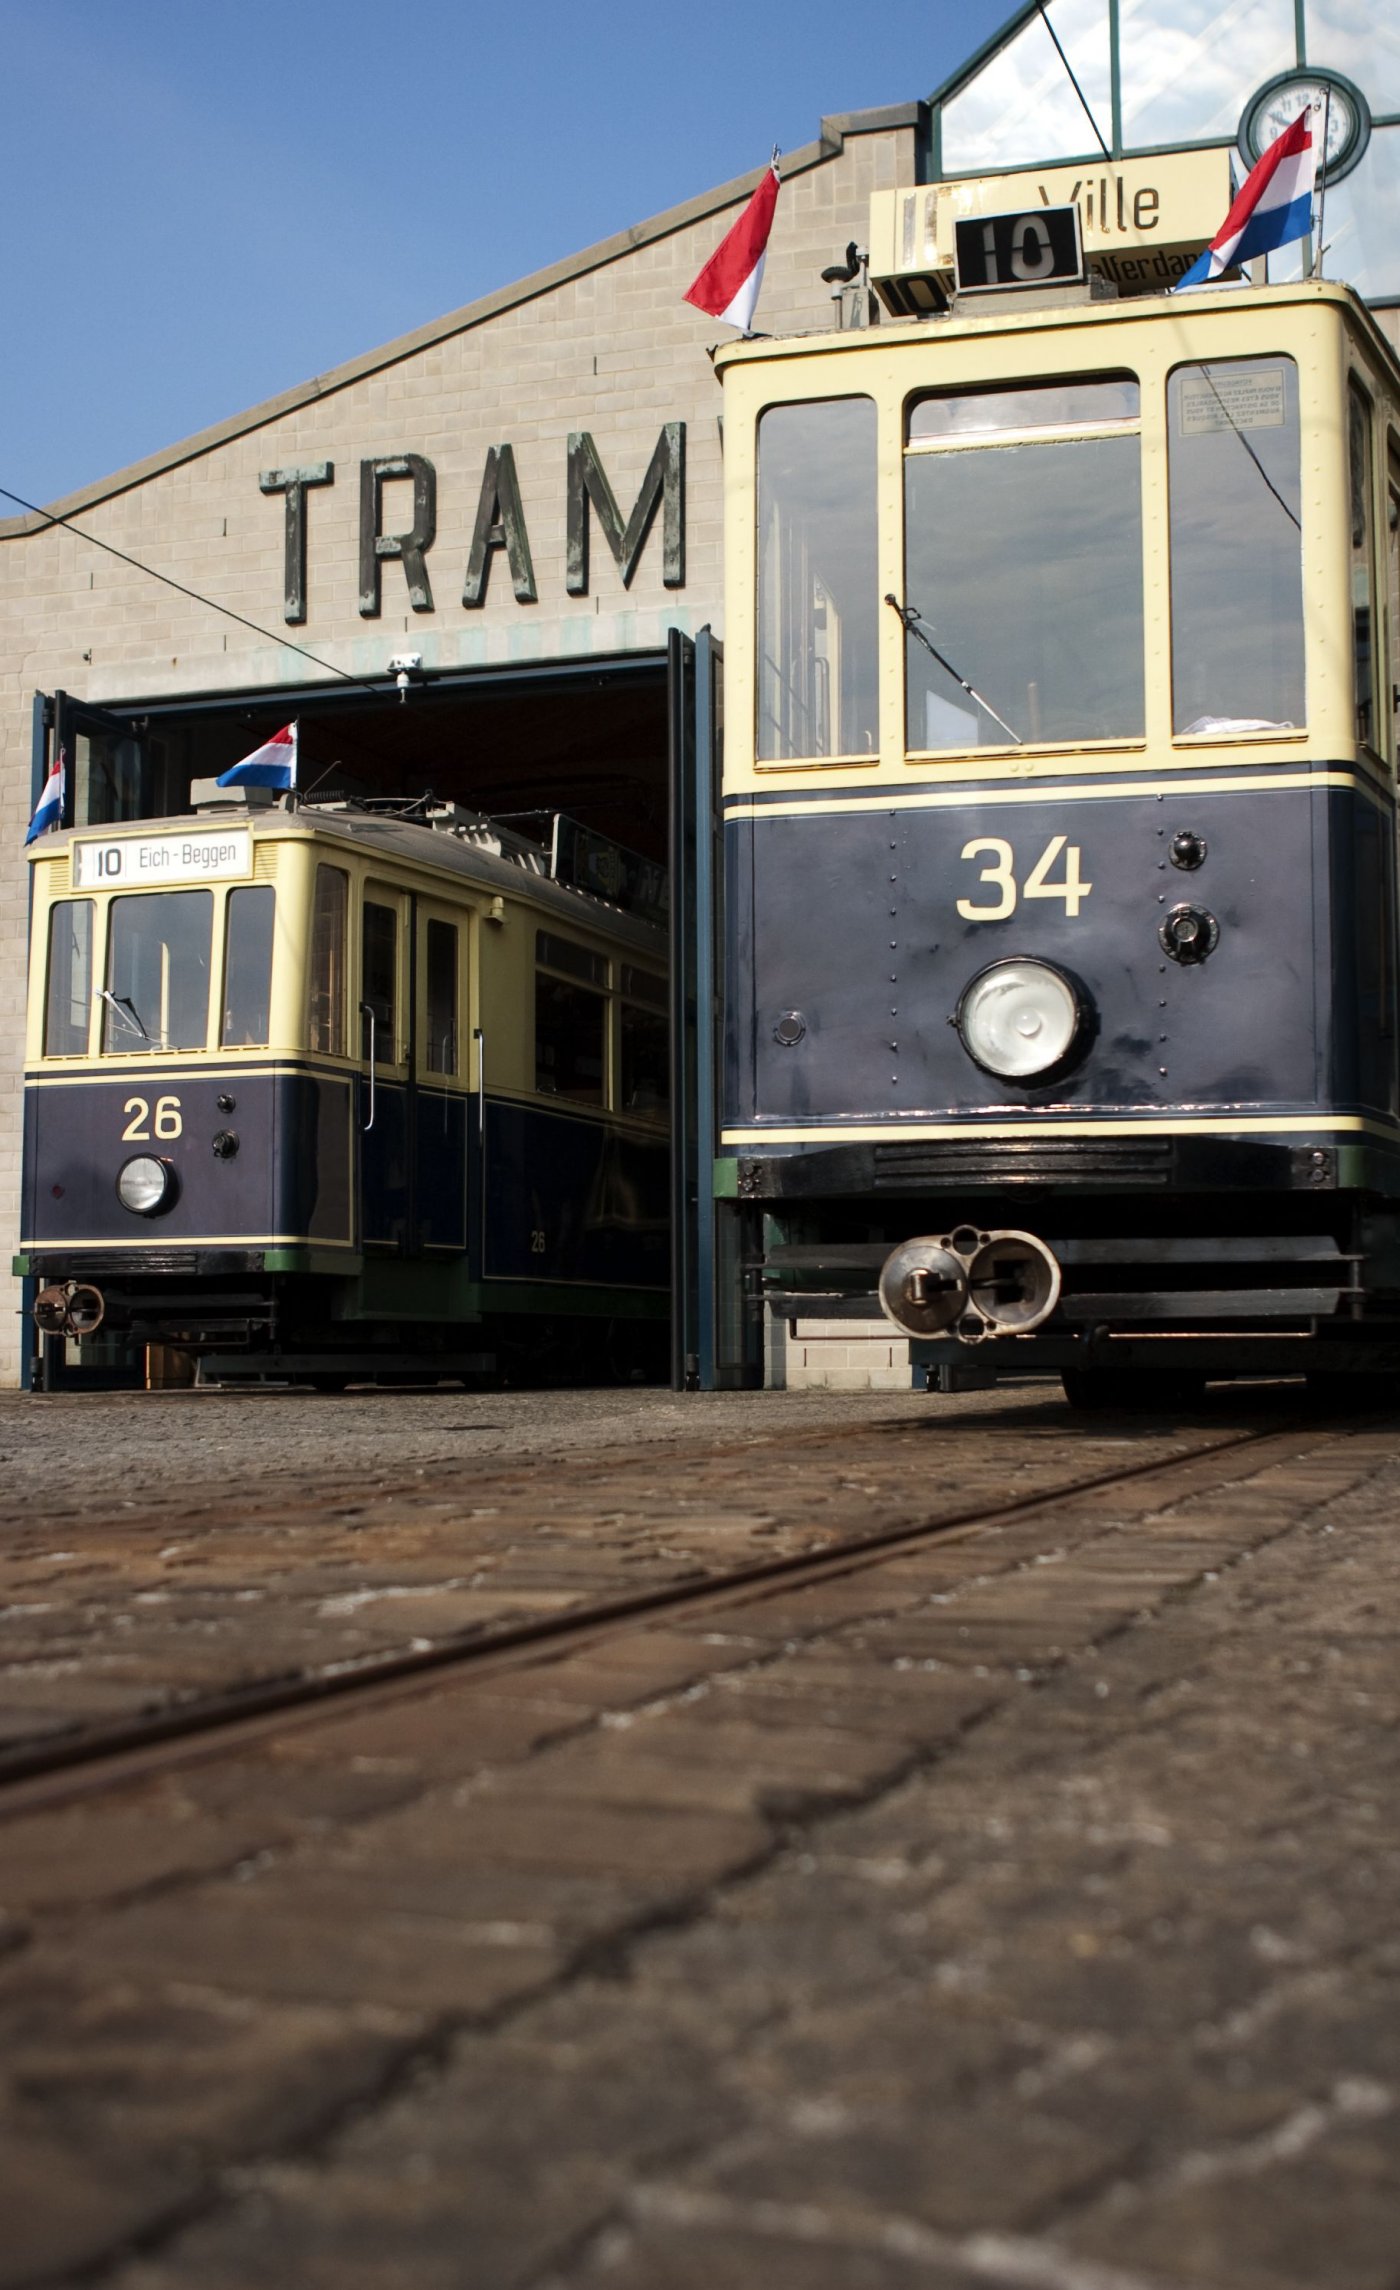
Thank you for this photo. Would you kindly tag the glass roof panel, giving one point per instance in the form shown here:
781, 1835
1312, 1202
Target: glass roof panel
1021, 108
1188, 67
1360, 39
1357, 226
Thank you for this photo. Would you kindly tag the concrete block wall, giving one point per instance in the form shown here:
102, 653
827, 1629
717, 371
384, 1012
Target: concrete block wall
836, 1355
603, 341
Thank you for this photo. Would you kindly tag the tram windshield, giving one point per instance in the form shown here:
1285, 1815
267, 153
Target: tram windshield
157, 991
1236, 546
818, 592
248, 967
68, 997
1023, 560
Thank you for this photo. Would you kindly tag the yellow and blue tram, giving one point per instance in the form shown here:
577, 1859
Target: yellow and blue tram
1062, 659
316, 1092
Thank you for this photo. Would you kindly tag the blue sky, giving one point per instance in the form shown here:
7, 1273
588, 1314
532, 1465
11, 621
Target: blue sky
203, 204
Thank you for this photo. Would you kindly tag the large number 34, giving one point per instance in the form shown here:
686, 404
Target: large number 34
1000, 876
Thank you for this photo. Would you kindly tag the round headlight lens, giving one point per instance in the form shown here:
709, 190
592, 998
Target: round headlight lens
145, 1185
1019, 1018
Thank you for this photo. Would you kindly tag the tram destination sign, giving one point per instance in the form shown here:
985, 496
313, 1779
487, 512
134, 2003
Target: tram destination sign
999, 254
146, 862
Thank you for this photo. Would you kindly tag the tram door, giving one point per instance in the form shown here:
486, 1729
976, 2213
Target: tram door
386, 1054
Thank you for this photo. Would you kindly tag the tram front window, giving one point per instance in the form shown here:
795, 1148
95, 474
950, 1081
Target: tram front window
248, 967
1236, 546
1023, 559
68, 1001
818, 589
157, 991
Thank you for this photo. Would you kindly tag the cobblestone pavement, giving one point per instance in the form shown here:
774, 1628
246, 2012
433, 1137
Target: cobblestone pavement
308, 1532
1020, 1911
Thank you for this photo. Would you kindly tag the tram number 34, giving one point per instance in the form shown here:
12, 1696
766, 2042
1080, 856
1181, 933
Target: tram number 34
999, 875
169, 1121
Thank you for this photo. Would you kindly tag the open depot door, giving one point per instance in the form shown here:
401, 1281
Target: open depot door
629, 745
114, 768
716, 1331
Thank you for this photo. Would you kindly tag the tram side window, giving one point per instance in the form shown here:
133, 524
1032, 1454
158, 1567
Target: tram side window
1023, 558
328, 940
1234, 486
818, 591
1365, 658
645, 1076
248, 967
440, 954
571, 1014
157, 992
68, 1006
379, 980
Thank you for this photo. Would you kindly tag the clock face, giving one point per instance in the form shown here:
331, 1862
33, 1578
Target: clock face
1279, 102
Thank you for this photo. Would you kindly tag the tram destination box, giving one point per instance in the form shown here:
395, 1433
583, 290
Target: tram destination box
1143, 221
1001, 254
194, 855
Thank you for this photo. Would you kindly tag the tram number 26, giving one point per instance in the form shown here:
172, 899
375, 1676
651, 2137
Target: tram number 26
140, 1128
1003, 889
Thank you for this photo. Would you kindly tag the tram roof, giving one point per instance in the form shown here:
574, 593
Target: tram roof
1044, 312
407, 843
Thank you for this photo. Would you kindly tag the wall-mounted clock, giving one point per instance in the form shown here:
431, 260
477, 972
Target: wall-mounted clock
1279, 101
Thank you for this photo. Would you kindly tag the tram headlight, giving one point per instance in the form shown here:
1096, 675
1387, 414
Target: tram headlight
1018, 1019
146, 1186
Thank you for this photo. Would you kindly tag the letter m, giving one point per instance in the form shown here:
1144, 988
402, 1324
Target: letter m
664, 483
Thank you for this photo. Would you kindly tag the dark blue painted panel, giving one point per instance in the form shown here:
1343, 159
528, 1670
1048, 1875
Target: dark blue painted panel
570, 1199
384, 1165
852, 920
440, 1156
289, 1175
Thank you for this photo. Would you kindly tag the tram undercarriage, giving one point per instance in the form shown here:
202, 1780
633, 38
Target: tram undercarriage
1280, 1275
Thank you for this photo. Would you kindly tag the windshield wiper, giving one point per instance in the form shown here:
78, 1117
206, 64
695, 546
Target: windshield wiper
126, 1010
916, 624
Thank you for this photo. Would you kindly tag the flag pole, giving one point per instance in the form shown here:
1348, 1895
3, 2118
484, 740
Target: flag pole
1322, 178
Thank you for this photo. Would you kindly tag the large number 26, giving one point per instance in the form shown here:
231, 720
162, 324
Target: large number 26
168, 1121
1000, 873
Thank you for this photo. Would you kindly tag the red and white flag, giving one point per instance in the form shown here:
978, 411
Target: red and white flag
728, 285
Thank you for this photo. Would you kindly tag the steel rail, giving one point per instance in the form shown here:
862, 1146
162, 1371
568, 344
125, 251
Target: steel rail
39, 1774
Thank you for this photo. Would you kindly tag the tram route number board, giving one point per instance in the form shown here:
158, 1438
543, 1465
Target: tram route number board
996, 254
199, 855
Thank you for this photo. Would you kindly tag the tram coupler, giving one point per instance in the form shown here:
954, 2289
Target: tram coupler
69, 1308
971, 1284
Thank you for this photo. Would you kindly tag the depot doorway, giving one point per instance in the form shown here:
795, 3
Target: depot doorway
628, 746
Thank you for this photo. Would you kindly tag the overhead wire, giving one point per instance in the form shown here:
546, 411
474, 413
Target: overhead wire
366, 749
197, 595
1073, 80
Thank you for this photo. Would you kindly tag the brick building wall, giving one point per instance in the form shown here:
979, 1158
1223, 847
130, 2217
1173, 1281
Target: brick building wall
602, 342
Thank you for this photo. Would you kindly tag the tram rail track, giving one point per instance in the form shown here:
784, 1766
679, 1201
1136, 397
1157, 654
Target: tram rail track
38, 1774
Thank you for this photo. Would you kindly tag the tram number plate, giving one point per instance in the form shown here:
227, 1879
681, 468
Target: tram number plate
995, 253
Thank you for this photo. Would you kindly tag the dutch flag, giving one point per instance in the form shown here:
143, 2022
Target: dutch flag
728, 285
48, 811
274, 764
1272, 208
